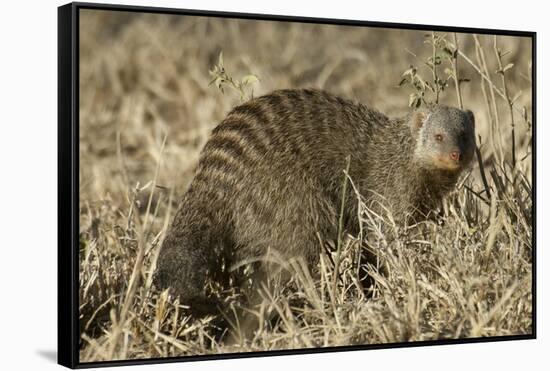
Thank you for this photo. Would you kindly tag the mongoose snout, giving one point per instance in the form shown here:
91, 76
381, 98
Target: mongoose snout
455, 156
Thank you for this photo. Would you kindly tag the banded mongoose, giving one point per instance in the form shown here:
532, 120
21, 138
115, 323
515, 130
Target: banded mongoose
270, 177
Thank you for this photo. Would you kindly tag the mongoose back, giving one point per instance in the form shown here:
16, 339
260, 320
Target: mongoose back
269, 178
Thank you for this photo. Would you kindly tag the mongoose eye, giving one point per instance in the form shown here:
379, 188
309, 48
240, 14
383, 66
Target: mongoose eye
438, 137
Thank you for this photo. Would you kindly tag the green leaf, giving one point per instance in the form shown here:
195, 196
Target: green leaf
411, 71
507, 67
413, 98
249, 79
448, 51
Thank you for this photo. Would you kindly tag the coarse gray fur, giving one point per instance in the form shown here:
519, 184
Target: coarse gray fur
270, 175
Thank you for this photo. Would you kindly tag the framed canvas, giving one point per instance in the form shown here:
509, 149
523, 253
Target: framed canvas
239, 185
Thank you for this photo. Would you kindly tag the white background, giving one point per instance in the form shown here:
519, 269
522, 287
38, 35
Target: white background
28, 183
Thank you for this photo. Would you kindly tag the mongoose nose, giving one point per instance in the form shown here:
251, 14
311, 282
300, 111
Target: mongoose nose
455, 156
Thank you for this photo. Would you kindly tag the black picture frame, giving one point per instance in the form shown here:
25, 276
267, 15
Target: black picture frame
68, 180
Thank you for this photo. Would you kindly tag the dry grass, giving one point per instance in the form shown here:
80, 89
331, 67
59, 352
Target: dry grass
146, 110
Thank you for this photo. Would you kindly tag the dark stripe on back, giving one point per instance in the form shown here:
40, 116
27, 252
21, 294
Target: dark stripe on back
226, 144
246, 130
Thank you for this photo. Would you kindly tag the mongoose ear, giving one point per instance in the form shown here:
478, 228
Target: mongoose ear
418, 119
470, 115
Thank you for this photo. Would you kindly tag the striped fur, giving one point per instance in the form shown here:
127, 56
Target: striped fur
270, 176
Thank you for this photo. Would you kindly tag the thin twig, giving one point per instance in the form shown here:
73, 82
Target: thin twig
490, 113
154, 185
455, 67
340, 228
460, 104
498, 55
434, 69
477, 194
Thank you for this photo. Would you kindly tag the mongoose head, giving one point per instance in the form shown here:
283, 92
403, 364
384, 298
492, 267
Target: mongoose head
445, 137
